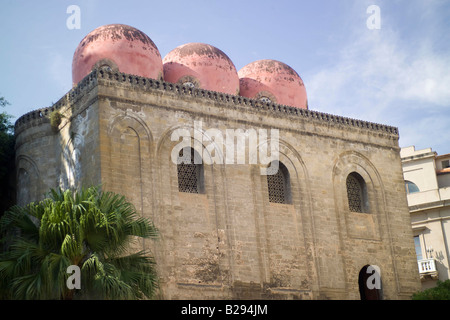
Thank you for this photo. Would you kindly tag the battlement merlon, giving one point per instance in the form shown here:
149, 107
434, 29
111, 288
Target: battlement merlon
38, 116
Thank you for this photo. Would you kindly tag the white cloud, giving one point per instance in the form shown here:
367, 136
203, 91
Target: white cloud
380, 77
380, 68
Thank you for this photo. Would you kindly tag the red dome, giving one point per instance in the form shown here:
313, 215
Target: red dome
120, 47
274, 81
203, 66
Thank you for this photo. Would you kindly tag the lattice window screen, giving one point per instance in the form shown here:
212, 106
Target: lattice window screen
354, 194
277, 187
188, 174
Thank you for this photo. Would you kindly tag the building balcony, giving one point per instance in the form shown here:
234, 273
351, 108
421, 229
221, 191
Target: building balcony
427, 269
431, 199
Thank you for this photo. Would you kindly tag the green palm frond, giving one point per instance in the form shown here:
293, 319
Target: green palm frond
90, 229
18, 218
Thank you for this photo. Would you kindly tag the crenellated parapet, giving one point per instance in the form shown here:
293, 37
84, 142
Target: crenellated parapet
39, 116
42, 115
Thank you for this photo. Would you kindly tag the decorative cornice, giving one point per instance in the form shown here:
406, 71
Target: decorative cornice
151, 84
429, 206
419, 156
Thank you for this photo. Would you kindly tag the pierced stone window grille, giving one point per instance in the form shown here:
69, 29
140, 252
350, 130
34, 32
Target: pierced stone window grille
357, 193
190, 174
265, 99
106, 67
189, 81
189, 84
279, 185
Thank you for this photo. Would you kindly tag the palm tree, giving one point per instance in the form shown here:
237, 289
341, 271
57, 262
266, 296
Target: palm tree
90, 229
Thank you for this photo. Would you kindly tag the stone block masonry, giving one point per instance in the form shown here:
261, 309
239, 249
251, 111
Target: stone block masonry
229, 241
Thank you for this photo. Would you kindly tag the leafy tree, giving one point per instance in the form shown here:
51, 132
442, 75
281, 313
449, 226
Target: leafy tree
89, 229
6, 159
440, 292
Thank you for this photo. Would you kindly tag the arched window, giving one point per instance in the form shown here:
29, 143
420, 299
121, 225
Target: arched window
279, 184
265, 99
411, 187
357, 193
189, 81
190, 171
106, 65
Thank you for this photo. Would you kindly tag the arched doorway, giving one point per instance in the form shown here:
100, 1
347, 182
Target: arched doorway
369, 281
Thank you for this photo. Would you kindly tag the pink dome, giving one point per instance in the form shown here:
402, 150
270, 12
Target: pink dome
120, 47
274, 81
203, 66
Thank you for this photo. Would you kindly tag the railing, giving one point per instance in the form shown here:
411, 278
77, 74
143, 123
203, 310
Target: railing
427, 266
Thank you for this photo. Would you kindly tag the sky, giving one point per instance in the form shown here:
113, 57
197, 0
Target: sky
388, 65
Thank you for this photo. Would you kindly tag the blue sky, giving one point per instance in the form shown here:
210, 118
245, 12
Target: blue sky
397, 75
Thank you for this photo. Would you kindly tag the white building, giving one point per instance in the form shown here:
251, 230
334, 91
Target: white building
427, 182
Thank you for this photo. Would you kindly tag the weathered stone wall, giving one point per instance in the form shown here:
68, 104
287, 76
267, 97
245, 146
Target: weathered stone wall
230, 241
63, 154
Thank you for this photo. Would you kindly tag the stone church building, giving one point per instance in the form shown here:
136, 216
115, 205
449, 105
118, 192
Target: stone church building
333, 214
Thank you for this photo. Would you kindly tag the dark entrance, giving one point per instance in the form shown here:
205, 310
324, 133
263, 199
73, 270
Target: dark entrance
369, 281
